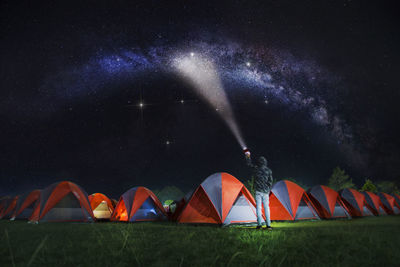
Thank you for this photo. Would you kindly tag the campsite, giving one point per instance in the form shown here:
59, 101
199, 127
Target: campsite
214, 225
199, 133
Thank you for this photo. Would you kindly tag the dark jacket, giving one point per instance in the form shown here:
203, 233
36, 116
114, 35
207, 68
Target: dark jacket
262, 175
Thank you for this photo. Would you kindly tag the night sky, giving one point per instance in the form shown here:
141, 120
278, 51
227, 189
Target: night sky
313, 85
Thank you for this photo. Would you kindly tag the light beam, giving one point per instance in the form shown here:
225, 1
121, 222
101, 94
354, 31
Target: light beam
202, 74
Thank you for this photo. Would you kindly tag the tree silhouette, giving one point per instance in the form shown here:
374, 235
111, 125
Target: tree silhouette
369, 186
340, 180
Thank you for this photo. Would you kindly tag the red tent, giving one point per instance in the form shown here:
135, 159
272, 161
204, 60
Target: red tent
355, 203
62, 201
327, 202
374, 203
101, 205
220, 199
25, 205
288, 201
138, 204
389, 203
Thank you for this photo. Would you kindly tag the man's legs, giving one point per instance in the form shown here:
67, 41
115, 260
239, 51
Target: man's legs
258, 208
266, 208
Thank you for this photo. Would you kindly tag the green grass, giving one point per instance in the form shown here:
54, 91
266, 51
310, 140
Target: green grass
359, 242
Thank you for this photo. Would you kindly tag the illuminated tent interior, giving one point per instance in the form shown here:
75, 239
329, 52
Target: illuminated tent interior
101, 205
138, 204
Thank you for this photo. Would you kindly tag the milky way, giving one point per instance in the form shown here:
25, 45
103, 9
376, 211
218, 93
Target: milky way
272, 75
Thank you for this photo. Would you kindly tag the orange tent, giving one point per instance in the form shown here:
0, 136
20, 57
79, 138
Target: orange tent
374, 203
327, 202
389, 203
101, 205
355, 203
25, 205
4, 202
220, 199
138, 204
288, 201
9, 207
62, 201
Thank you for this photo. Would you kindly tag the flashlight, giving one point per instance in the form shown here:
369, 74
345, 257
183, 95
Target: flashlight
246, 151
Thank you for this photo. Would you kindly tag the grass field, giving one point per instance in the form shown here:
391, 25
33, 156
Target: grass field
358, 242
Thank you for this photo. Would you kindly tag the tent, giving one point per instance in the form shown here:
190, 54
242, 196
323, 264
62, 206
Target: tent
355, 203
180, 205
4, 202
374, 203
8, 207
25, 205
114, 202
288, 201
327, 202
62, 201
220, 199
101, 205
389, 203
138, 204
397, 199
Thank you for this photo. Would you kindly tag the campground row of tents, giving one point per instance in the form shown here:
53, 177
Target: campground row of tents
219, 199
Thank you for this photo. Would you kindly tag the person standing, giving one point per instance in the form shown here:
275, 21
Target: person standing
262, 185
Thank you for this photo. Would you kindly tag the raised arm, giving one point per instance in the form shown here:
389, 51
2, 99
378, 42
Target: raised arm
248, 162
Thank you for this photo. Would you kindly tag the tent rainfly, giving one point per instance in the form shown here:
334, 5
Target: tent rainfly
62, 202
389, 203
327, 202
355, 203
289, 202
220, 199
25, 205
374, 203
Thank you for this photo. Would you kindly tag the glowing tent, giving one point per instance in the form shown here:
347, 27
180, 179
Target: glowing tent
389, 203
374, 203
101, 205
25, 205
327, 202
8, 207
355, 203
220, 199
138, 204
62, 201
288, 201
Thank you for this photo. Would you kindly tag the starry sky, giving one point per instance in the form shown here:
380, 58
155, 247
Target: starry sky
90, 92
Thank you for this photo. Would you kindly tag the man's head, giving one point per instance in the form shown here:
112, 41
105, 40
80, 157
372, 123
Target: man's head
262, 161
